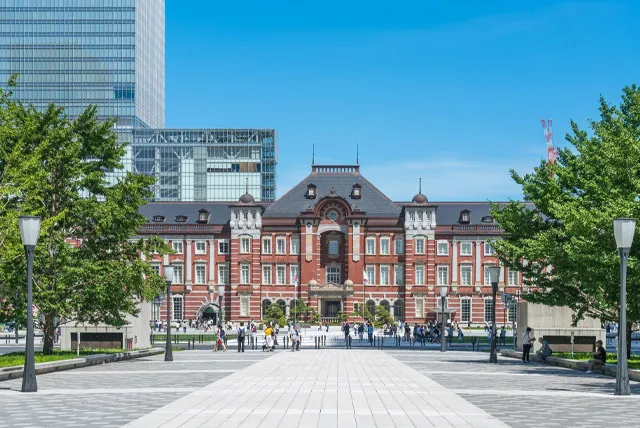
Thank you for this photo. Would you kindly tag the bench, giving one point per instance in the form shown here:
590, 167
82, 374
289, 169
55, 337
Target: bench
563, 343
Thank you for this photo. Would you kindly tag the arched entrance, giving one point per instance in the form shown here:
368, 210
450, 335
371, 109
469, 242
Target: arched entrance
209, 312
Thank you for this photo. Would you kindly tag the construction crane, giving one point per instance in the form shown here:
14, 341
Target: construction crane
552, 152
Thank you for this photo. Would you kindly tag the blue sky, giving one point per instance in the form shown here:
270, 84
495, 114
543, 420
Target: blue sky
452, 92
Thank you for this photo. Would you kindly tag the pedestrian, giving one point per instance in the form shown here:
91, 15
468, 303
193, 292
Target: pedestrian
460, 335
503, 336
184, 327
599, 357
295, 338
527, 340
370, 333
220, 340
545, 351
241, 334
268, 338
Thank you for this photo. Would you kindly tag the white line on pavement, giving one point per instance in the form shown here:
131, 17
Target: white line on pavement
97, 391
92, 372
205, 361
544, 392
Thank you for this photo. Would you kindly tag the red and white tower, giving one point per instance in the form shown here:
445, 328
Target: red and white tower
552, 152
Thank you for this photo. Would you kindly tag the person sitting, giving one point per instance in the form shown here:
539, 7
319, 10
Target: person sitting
545, 351
599, 357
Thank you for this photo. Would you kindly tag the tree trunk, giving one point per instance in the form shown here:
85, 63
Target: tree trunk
48, 331
628, 333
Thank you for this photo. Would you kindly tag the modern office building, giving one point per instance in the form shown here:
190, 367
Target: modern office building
109, 53
205, 164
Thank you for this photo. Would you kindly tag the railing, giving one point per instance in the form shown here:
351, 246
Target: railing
477, 228
329, 319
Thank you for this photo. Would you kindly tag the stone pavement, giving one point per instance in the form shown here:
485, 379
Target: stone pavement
323, 388
531, 395
111, 395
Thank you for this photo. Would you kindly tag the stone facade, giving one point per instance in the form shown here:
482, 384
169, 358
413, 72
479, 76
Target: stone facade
342, 241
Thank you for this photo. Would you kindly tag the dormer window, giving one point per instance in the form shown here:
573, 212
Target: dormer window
158, 219
311, 191
203, 216
181, 219
465, 216
487, 219
356, 191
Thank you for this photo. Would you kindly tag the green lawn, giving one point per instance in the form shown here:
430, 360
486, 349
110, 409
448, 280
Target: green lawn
634, 361
17, 358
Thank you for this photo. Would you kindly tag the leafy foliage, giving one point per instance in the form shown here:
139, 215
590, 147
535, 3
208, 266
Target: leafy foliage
382, 317
596, 179
87, 266
274, 313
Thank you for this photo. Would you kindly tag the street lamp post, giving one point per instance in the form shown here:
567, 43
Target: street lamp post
623, 229
494, 274
29, 232
220, 295
443, 336
168, 276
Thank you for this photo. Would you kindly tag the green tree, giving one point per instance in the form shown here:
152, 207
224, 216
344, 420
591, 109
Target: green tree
274, 313
358, 314
382, 317
595, 179
87, 267
298, 311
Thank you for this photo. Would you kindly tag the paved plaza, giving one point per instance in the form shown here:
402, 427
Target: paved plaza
320, 388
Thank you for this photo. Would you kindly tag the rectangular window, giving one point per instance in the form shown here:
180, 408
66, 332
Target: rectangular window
244, 306
488, 249
201, 271
266, 245
419, 307
223, 246
333, 274
280, 274
398, 274
177, 308
177, 274
487, 278
156, 267
513, 277
371, 274
399, 246
244, 274
443, 248
223, 273
465, 274
488, 306
201, 247
295, 245
294, 274
371, 245
333, 247
420, 274
384, 246
281, 245
177, 246
419, 245
512, 313
465, 249
384, 275
465, 310
266, 274
245, 245
443, 275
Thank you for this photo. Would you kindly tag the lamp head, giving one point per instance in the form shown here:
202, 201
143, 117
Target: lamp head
29, 229
443, 290
220, 290
168, 273
494, 274
624, 229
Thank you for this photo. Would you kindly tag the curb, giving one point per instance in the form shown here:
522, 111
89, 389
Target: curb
15, 372
607, 369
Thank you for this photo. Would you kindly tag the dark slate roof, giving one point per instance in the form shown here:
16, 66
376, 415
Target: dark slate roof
449, 212
373, 201
219, 212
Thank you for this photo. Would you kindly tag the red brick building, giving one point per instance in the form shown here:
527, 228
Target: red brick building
344, 242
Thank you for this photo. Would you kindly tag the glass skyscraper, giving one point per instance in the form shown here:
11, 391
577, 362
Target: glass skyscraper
73, 53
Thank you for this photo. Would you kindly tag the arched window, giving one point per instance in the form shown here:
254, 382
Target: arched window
371, 307
398, 310
265, 306
283, 305
385, 304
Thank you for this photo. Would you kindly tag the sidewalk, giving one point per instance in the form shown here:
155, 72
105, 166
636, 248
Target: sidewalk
326, 388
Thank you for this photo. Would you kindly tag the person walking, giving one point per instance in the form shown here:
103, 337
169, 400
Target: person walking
527, 343
268, 337
220, 340
241, 335
295, 339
